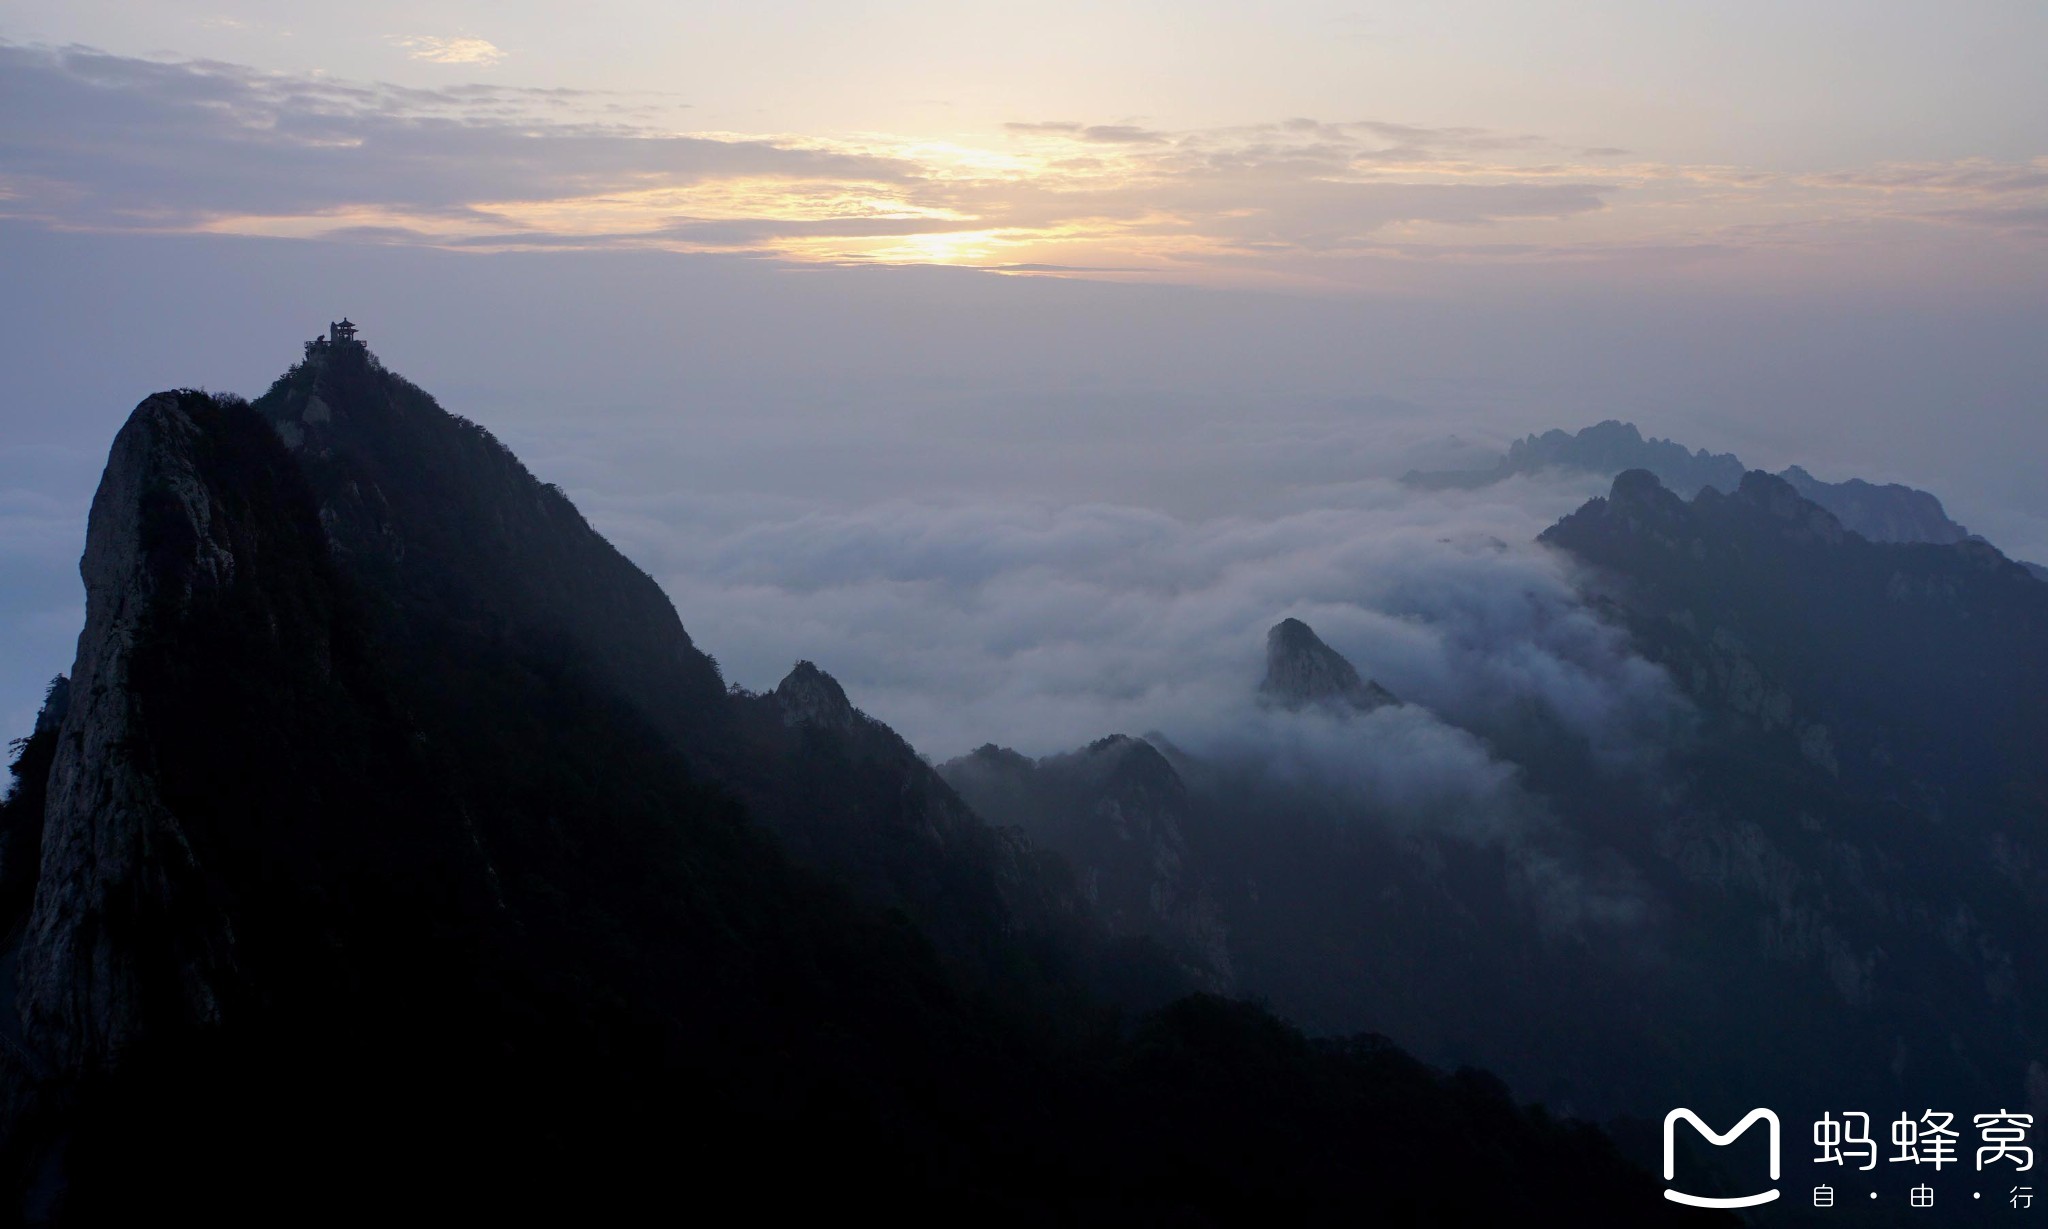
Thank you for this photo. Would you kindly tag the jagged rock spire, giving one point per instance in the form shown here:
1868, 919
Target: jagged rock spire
1301, 671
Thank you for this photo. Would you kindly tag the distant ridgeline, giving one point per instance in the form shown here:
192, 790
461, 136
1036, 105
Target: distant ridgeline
1887, 513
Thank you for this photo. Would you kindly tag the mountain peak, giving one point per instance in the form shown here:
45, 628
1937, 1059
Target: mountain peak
1639, 503
1639, 506
1782, 501
1301, 670
809, 696
1129, 763
1611, 431
438, 514
1640, 488
340, 342
1003, 757
1765, 489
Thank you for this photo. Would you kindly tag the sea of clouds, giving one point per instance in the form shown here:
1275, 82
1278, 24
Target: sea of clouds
1043, 625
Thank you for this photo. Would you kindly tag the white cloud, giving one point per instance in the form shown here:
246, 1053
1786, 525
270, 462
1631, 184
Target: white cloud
451, 50
1044, 626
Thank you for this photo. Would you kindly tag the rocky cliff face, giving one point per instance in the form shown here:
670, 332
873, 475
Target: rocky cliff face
129, 934
1302, 671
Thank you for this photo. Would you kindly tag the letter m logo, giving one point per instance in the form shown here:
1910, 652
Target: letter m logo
1671, 1121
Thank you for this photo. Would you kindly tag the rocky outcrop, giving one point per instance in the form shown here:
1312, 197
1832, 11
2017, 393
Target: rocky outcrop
125, 937
1303, 672
808, 696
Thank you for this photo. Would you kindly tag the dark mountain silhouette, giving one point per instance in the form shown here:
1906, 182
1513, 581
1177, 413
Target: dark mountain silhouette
1452, 941
1829, 879
1912, 669
847, 795
391, 846
1863, 806
1883, 513
455, 542
1117, 812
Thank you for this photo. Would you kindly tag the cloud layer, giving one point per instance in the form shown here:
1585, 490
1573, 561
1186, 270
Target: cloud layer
93, 140
1043, 626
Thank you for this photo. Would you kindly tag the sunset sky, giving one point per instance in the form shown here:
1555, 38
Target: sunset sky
1309, 144
861, 325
